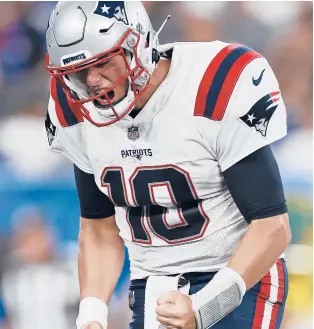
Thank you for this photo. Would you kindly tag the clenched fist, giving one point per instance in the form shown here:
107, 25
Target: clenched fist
174, 311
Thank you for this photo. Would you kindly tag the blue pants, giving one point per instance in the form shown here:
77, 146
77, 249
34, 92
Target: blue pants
262, 306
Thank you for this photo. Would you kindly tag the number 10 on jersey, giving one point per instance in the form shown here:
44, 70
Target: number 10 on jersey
192, 219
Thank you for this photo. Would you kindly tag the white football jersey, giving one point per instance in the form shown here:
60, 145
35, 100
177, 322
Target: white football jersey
163, 169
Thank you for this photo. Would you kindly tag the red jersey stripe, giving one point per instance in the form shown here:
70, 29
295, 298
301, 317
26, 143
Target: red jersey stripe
280, 294
206, 82
59, 112
262, 297
230, 82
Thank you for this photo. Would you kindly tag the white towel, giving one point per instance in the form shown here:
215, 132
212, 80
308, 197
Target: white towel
155, 287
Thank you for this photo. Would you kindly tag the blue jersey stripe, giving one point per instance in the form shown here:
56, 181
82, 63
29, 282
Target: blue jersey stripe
220, 77
69, 116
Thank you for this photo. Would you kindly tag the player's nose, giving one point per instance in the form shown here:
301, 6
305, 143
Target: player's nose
93, 77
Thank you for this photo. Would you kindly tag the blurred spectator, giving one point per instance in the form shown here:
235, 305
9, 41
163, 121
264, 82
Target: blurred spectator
237, 25
200, 20
295, 155
26, 153
39, 289
4, 249
291, 59
158, 11
120, 314
21, 41
280, 16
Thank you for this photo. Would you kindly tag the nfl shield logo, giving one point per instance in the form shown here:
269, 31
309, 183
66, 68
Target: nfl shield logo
133, 133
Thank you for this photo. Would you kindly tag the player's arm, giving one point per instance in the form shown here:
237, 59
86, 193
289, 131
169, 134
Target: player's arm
256, 187
253, 117
101, 251
257, 190
101, 257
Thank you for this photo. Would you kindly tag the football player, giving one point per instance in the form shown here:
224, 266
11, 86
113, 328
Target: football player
170, 146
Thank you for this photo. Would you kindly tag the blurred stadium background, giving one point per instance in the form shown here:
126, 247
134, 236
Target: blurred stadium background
38, 203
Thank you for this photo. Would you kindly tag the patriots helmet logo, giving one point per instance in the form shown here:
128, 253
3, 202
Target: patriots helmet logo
261, 112
112, 9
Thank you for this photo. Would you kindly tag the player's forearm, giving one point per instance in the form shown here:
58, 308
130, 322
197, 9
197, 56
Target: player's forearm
100, 261
259, 249
261, 246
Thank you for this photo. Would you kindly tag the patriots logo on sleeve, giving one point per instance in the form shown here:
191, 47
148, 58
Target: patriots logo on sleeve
261, 112
112, 9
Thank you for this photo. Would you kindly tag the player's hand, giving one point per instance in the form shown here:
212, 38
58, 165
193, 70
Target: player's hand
174, 311
93, 325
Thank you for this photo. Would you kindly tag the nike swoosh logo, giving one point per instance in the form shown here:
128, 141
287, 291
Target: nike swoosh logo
257, 81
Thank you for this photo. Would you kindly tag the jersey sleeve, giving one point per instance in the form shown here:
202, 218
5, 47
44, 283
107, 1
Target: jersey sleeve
63, 129
93, 203
249, 107
261, 195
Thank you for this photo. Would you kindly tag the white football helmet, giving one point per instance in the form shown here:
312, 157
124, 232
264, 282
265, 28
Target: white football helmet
88, 33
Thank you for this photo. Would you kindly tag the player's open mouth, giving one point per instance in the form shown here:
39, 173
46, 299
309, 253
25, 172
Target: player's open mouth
102, 100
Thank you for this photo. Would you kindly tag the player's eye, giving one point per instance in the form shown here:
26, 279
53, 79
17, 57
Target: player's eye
100, 65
